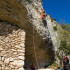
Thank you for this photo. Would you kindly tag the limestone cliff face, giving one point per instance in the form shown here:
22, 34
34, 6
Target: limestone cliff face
41, 35
26, 14
47, 33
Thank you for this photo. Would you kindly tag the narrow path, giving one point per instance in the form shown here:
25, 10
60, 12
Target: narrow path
42, 69
47, 69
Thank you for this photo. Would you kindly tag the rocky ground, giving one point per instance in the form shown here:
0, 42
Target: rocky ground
43, 69
47, 69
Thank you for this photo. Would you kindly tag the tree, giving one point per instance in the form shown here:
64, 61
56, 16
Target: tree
64, 36
63, 26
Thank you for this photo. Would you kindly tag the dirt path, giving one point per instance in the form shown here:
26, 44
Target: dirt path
47, 69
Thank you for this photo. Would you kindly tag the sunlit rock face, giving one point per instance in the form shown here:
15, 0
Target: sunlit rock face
43, 44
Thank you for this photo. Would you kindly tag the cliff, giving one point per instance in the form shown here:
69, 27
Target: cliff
26, 16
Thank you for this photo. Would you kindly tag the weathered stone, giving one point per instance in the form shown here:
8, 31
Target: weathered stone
21, 54
3, 52
3, 68
47, 69
0, 67
17, 63
22, 51
1, 63
7, 60
11, 66
17, 46
22, 39
21, 57
13, 50
13, 69
3, 58
15, 53
1, 49
21, 68
16, 69
11, 59
22, 45
6, 68
0, 58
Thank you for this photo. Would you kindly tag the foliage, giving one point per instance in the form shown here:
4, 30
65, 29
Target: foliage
59, 57
53, 19
64, 36
63, 26
55, 28
54, 65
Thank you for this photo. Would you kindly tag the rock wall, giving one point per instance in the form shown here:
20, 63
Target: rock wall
46, 32
12, 47
27, 15
41, 37
42, 50
53, 35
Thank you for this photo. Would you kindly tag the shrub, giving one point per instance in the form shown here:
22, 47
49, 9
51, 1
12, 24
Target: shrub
63, 26
59, 57
55, 28
53, 19
64, 37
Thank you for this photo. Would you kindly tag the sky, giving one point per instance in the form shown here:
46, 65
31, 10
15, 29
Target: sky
58, 9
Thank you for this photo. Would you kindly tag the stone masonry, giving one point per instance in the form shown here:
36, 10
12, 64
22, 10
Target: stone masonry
12, 47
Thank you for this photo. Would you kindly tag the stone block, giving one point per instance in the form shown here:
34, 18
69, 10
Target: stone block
18, 47
21, 57
1, 49
0, 58
11, 59
3, 58
1, 63
6, 68
0, 68
22, 45
21, 54
15, 53
21, 51
13, 69
21, 68
7, 60
17, 63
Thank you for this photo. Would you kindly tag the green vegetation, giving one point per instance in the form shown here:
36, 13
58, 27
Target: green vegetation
53, 19
55, 28
64, 37
65, 27
54, 65
59, 57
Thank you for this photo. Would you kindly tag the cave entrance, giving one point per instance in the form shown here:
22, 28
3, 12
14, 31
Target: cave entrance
44, 52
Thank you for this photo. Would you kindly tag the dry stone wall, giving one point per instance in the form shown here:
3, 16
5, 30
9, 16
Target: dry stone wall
12, 47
